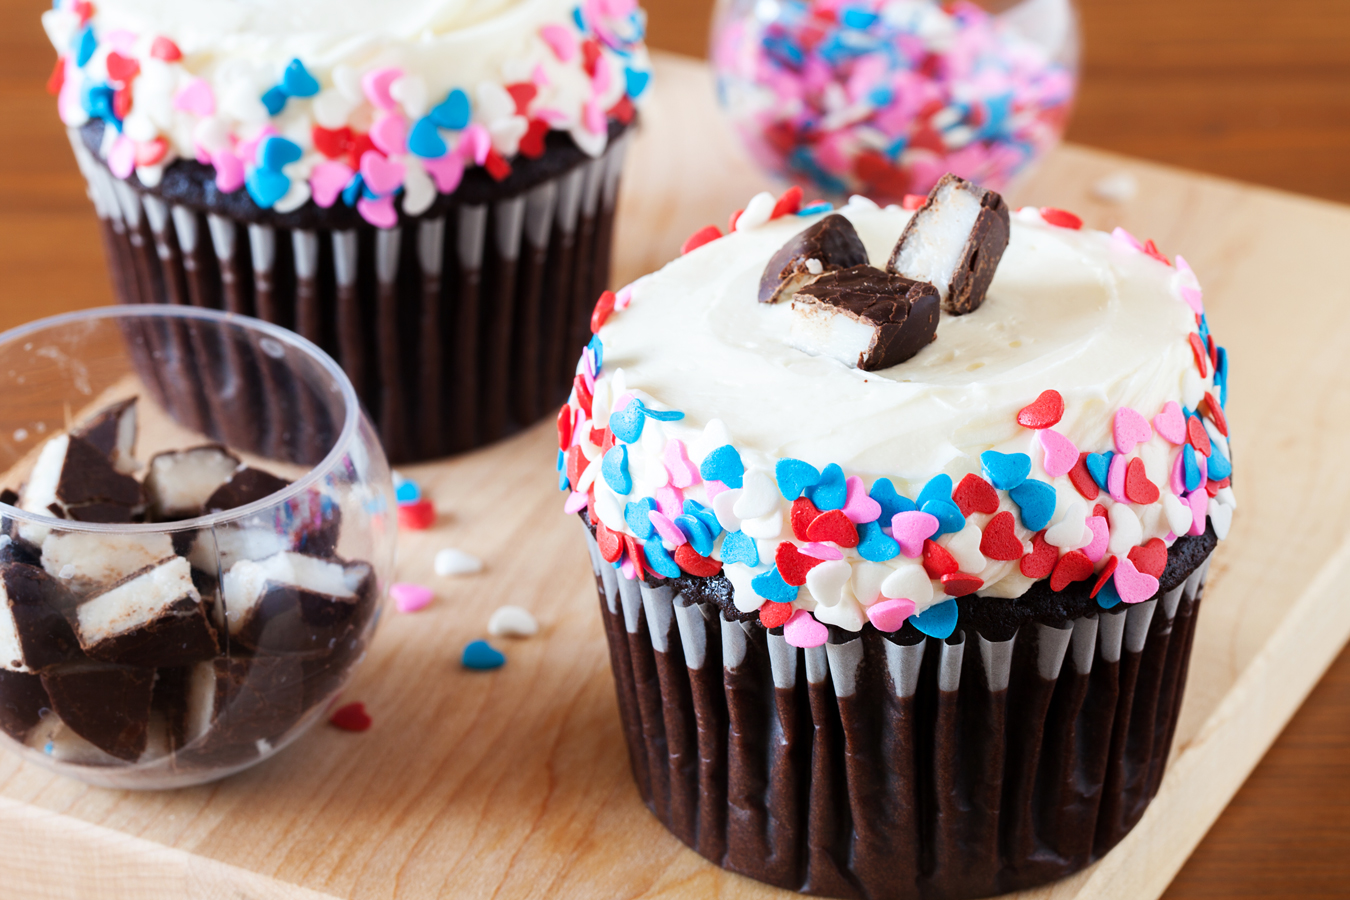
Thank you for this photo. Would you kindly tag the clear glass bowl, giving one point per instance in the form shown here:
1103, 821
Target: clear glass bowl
145, 641
882, 97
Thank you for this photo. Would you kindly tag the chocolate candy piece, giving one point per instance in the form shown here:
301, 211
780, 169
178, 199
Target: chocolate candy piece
72, 479
954, 242
215, 551
34, 634
55, 739
244, 487
864, 317
9, 496
22, 701
107, 705
294, 603
827, 246
153, 617
236, 707
86, 563
179, 482
112, 431
16, 549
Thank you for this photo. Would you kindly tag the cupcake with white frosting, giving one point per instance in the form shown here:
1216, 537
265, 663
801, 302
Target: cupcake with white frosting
900, 604
423, 187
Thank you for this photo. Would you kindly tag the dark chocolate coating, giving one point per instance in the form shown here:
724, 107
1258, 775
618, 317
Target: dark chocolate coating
107, 705
35, 603
15, 549
984, 248
22, 701
101, 431
244, 487
291, 620
256, 699
88, 479
832, 242
903, 313
9, 496
179, 636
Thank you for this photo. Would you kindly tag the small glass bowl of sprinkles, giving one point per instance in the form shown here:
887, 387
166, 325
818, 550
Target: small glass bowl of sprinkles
882, 97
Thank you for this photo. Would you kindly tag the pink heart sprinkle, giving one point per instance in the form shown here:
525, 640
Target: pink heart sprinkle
817, 550
556, 118
589, 380
327, 181
1194, 299
249, 149
1182, 265
540, 77
1129, 240
1101, 536
561, 41
1199, 503
626, 567
576, 502
911, 529
229, 171
683, 472
858, 506
409, 598
1115, 478
802, 630
671, 500
379, 212
1203, 463
474, 144
1132, 585
623, 297
120, 39
1171, 423
122, 157
376, 84
601, 79
713, 488
1129, 428
381, 175
390, 134
196, 97
1177, 481
890, 615
1060, 455
593, 117
667, 529
445, 171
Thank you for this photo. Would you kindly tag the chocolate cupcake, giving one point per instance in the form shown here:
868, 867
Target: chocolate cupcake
424, 190
900, 602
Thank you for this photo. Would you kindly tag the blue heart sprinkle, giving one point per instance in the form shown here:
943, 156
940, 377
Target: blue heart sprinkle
937, 621
97, 100
276, 152
1204, 327
1221, 375
1108, 596
831, 492
696, 532
1005, 471
274, 100
482, 656
627, 423
597, 348
266, 187
562, 460
771, 586
1189, 467
724, 465
794, 476
815, 208
939, 487
425, 139
638, 515
297, 82
407, 492
660, 415
1036, 500
452, 112
636, 82
353, 190
1099, 466
738, 547
948, 515
578, 20
860, 19
659, 560
563, 483
705, 515
85, 45
890, 500
1219, 466
874, 544
614, 467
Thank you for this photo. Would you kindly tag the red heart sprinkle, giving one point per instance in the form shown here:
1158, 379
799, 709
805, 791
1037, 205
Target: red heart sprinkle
575, 462
1201, 357
590, 54
772, 615
1044, 412
1213, 351
332, 142
1100, 511
523, 92
417, 516
1000, 540
974, 494
165, 49
584, 395
150, 153
1040, 562
1104, 575
361, 144
1152, 250
1213, 487
959, 584
793, 564
122, 68
58, 77
735, 217
122, 102
497, 166
705, 235
603, 308
1210, 407
611, 542
788, 203
606, 441
1072, 566
913, 201
83, 9
532, 144
622, 111
834, 527
564, 427
1060, 219
1151, 558
687, 558
635, 553
1082, 479
937, 562
804, 512
1137, 486
352, 717
1197, 437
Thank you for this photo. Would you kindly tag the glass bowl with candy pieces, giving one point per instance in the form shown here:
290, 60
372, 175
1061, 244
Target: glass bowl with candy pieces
882, 97
196, 527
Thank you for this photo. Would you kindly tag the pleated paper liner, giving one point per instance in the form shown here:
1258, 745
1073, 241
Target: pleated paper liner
457, 328
900, 766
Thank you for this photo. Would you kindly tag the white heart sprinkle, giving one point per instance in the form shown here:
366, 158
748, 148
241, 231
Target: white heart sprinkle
1221, 517
411, 93
1126, 530
452, 561
759, 495
826, 581
1179, 516
764, 528
964, 546
757, 211
1068, 533
867, 580
512, 621
909, 582
722, 508
419, 192
494, 102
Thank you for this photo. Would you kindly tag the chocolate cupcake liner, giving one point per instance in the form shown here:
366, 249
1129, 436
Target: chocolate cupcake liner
456, 328
897, 766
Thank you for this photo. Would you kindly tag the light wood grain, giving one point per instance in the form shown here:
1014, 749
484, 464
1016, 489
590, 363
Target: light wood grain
515, 783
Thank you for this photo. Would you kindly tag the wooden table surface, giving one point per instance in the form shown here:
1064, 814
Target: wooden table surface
1283, 834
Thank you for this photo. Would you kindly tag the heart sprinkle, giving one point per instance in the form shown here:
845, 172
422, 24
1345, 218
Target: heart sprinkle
973, 495
351, 717
1044, 412
482, 656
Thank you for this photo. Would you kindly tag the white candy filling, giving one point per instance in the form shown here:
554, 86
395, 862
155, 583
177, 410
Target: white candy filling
201, 700
819, 332
122, 458
86, 562
135, 603
39, 493
181, 482
246, 582
54, 738
217, 551
11, 651
934, 247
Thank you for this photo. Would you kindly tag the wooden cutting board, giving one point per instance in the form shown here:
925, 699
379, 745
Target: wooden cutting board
515, 783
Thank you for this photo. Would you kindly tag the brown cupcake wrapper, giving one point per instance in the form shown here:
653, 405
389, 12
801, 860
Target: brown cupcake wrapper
456, 329
938, 769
